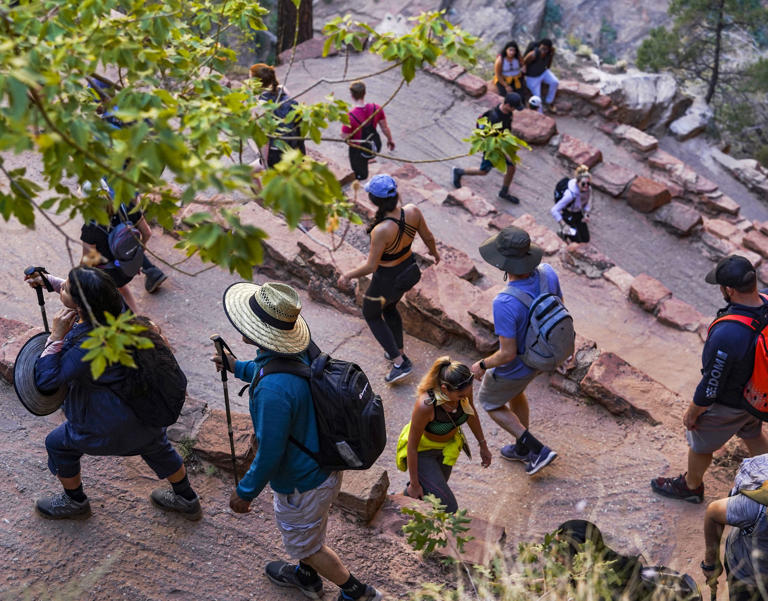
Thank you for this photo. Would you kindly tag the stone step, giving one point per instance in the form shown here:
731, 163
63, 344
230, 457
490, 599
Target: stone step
14, 335
211, 443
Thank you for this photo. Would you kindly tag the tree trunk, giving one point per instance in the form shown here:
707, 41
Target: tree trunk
286, 23
716, 58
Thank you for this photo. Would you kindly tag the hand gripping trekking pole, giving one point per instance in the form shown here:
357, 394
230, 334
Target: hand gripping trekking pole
40, 299
220, 346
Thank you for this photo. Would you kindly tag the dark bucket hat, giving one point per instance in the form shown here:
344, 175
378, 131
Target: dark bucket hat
34, 400
511, 250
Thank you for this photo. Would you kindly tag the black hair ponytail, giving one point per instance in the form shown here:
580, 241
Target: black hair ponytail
383, 206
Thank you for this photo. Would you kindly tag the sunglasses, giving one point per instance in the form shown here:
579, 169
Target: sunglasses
461, 385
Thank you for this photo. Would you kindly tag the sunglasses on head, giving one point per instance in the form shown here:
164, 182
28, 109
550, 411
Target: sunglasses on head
461, 385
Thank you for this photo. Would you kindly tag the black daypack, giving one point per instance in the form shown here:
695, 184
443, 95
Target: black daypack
560, 189
369, 137
289, 128
350, 417
156, 392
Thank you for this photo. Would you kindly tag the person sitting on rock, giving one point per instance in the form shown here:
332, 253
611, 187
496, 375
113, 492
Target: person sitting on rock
430, 443
537, 62
746, 548
572, 206
99, 421
508, 70
394, 269
500, 114
718, 409
361, 118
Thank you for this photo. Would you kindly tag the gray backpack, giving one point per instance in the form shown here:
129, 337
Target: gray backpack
549, 337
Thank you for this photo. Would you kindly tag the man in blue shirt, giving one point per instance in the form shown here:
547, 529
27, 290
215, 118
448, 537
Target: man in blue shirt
281, 408
717, 410
504, 375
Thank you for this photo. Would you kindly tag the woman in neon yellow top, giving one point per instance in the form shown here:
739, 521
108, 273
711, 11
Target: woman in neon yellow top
430, 443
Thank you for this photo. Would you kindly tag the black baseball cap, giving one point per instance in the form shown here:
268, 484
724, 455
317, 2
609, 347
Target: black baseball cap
513, 99
733, 271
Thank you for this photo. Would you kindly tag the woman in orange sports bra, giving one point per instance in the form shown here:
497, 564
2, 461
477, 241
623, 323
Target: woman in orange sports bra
394, 269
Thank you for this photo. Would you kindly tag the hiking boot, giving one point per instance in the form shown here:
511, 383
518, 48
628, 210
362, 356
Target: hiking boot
456, 174
153, 277
540, 460
284, 574
676, 488
370, 594
399, 373
167, 500
550, 108
509, 198
510, 453
63, 507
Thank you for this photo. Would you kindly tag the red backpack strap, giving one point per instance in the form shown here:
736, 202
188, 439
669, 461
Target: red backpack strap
752, 323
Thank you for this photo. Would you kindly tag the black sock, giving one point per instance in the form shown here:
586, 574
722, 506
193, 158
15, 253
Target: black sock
529, 440
522, 448
504, 190
184, 489
353, 588
306, 573
76, 494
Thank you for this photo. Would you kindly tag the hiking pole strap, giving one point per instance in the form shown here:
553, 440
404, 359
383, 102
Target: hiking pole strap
218, 341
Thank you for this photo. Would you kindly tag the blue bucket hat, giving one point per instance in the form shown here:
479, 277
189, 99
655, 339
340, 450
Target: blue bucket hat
382, 185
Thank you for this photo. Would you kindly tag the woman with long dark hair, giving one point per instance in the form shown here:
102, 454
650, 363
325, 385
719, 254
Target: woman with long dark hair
508, 70
394, 269
430, 443
98, 422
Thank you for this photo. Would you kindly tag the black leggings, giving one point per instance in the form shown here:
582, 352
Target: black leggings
382, 317
433, 478
575, 220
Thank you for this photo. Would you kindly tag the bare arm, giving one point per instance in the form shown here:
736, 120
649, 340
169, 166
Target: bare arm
144, 230
378, 242
499, 76
477, 430
420, 417
506, 353
387, 133
426, 235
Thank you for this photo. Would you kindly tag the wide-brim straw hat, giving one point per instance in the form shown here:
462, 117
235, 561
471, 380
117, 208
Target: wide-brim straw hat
511, 250
33, 399
268, 315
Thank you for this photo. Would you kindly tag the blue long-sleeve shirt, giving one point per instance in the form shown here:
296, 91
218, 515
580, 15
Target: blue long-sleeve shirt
280, 406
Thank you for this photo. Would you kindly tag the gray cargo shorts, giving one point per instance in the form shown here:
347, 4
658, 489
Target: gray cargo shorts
497, 392
718, 424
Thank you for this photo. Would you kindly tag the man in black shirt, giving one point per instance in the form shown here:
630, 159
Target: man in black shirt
500, 114
717, 411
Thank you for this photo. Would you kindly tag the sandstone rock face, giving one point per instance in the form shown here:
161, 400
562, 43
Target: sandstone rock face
716, 248
693, 122
680, 219
192, 416
611, 178
648, 292
758, 242
363, 492
585, 353
664, 161
586, 259
312, 48
623, 390
646, 195
212, 442
454, 259
533, 127
469, 201
619, 278
13, 335
472, 84
723, 229
643, 99
747, 171
579, 152
717, 204
678, 314
548, 240
445, 69
577, 89
639, 140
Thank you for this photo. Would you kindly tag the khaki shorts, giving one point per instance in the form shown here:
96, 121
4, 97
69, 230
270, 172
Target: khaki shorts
718, 424
302, 517
497, 392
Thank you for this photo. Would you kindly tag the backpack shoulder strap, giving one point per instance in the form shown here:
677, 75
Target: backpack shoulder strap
750, 322
284, 365
524, 297
543, 281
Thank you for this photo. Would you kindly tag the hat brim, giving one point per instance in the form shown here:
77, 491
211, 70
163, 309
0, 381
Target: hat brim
513, 265
711, 277
760, 495
240, 315
34, 400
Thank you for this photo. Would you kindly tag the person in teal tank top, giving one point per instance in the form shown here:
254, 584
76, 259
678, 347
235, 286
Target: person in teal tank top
429, 444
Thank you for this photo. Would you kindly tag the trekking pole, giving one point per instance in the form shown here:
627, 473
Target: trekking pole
40, 298
220, 346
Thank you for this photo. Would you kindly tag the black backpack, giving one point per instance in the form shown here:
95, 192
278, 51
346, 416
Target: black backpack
289, 129
350, 417
560, 189
369, 137
157, 391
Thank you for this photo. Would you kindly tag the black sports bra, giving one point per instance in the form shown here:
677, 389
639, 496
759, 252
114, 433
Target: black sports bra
402, 228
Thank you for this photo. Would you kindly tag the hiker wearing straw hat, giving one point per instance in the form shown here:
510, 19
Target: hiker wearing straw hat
746, 548
504, 376
268, 317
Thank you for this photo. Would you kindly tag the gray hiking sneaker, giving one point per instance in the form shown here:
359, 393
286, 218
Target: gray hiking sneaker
370, 594
537, 461
510, 453
284, 574
167, 500
399, 373
63, 507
